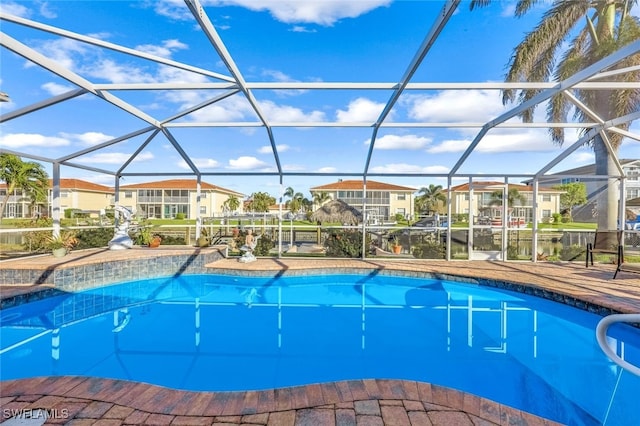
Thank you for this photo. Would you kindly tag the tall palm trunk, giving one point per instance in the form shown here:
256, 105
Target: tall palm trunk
607, 193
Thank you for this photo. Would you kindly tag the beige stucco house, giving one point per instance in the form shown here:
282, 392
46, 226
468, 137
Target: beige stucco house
75, 194
484, 209
166, 198
383, 200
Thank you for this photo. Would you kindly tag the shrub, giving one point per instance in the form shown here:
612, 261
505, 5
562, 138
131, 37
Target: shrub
429, 250
263, 246
179, 216
557, 218
172, 240
345, 243
90, 238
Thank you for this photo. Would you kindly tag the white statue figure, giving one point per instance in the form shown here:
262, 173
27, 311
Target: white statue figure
248, 247
121, 239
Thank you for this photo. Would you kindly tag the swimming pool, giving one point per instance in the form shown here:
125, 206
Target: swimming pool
215, 332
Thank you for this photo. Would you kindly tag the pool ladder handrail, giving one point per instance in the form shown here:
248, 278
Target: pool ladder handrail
601, 336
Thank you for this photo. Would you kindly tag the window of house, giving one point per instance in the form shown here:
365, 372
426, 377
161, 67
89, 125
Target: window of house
546, 197
546, 213
64, 194
128, 194
402, 197
203, 210
203, 195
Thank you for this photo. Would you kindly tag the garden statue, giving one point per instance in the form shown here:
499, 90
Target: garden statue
121, 239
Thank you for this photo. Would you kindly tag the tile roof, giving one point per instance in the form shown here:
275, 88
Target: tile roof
178, 184
357, 184
77, 184
494, 185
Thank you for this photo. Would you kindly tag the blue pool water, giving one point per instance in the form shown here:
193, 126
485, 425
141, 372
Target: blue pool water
211, 332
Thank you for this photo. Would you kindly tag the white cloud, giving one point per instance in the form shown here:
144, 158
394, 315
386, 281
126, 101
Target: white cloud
246, 163
174, 9
46, 11
109, 70
449, 146
282, 77
302, 29
55, 88
114, 158
14, 8
88, 138
455, 106
411, 142
500, 140
286, 113
360, 110
267, 149
327, 169
64, 51
533, 140
583, 157
409, 168
317, 12
164, 50
201, 163
235, 108
22, 140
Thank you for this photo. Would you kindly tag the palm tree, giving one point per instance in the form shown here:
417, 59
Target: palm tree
289, 192
231, 204
27, 176
429, 198
513, 196
319, 198
601, 27
296, 202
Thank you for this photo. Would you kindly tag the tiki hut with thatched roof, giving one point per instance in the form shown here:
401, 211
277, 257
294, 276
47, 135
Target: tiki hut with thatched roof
337, 211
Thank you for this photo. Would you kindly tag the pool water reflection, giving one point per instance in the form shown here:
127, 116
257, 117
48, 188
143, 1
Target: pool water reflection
211, 332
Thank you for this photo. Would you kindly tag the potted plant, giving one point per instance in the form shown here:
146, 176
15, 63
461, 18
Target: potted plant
145, 237
396, 247
62, 243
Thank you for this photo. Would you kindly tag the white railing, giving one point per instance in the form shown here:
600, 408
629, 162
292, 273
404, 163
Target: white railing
601, 335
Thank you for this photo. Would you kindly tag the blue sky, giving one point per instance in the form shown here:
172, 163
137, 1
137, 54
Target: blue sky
279, 41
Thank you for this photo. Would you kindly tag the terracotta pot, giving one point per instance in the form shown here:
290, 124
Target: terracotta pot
155, 242
396, 249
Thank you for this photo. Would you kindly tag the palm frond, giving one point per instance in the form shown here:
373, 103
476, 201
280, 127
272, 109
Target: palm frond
478, 3
524, 6
546, 38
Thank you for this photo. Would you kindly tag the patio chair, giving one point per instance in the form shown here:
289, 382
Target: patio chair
607, 242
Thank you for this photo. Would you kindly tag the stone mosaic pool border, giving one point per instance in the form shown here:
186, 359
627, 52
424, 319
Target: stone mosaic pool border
91, 275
